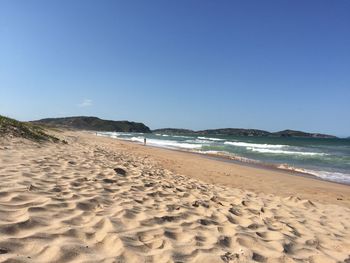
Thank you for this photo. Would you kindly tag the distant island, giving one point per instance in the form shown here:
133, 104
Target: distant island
245, 132
95, 124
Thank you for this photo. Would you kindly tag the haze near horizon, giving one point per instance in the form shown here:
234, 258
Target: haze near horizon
268, 65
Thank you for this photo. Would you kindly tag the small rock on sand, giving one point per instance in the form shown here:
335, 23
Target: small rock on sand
109, 181
3, 250
120, 171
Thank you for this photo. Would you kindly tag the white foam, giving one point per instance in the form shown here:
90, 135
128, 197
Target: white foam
164, 135
114, 134
283, 152
326, 175
135, 139
256, 145
215, 152
333, 176
160, 142
107, 134
181, 136
199, 141
126, 134
211, 139
173, 144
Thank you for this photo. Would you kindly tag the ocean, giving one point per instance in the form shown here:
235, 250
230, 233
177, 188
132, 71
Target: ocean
328, 159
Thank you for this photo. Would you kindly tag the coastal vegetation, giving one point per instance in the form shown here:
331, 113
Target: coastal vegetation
13, 128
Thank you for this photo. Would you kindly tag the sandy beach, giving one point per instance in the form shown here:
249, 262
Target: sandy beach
98, 199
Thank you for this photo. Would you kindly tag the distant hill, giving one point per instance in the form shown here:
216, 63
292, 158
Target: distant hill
173, 131
291, 133
13, 128
235, 132
245, 132
95, 124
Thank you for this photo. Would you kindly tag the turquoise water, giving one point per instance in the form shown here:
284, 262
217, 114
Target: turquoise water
328, 159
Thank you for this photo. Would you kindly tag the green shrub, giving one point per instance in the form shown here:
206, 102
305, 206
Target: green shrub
11, 127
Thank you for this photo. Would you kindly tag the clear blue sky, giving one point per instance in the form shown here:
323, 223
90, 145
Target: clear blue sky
193, 64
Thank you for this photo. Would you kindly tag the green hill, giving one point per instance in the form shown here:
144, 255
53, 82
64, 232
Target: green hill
13, 128
173, 131
292, 133
95, 124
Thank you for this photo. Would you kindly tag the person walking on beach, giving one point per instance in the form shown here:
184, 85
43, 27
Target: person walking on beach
144, 141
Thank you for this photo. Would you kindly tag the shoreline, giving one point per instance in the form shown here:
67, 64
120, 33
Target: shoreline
239, 160
271, 167
240, 175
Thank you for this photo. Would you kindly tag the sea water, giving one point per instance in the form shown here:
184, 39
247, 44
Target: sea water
328, 159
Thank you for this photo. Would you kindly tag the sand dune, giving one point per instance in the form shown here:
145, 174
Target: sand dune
93, 201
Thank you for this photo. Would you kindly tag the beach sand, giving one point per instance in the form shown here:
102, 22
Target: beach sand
98, 199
